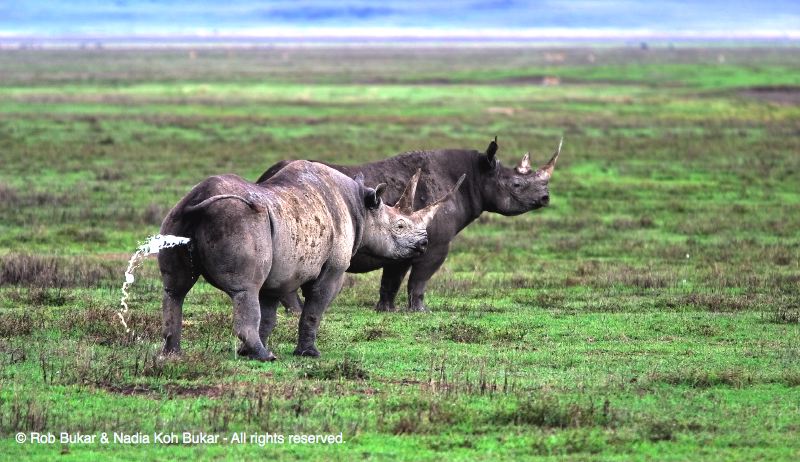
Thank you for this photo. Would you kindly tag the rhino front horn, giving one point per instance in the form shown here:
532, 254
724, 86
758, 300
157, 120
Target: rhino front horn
547, 169
427, 214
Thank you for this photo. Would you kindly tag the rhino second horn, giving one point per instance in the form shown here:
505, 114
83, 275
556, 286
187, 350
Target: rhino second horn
406, 202
524, 166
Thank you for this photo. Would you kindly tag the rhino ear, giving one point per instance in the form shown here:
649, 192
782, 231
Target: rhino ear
359, 178
379, 190
489, 161
372, 197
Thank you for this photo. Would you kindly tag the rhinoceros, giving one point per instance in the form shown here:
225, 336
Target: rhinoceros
491, 188
298, 230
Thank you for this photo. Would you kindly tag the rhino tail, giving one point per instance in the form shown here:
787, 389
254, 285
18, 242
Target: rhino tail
258, 208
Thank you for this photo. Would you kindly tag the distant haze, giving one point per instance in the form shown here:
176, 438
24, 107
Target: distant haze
499, 19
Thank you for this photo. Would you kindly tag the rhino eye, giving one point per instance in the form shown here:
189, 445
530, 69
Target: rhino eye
516, 184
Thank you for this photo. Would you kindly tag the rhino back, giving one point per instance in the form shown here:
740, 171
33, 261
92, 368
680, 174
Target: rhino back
315, 221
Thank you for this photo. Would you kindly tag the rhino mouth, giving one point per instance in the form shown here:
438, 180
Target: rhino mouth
409, 252
539, 203
417, 249
401, 253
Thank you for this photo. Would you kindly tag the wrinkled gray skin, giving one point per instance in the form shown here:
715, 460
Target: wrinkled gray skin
490, 187
258, 243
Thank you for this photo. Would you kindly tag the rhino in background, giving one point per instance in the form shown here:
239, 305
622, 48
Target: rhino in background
258, 243
490, 188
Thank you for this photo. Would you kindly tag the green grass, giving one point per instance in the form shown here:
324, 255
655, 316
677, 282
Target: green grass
650, 313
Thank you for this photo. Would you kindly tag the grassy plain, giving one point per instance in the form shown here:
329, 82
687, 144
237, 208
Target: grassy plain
650, 313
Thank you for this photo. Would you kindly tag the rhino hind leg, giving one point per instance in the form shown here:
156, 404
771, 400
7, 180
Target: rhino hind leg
269, 318
172, 307
391, 280
247, 323
318, 295
421, 272
178, 278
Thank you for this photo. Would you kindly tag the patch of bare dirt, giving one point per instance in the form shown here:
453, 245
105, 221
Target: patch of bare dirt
538, 80
114, 256
210, 391
787, 95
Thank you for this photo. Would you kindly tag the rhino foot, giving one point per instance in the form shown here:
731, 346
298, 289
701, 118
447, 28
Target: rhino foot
171, 353
244, 351
265, 355
170, 350
307, 351
418, 308
385, 306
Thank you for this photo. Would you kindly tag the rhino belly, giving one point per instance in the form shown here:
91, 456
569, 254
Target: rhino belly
290, 270
364, 263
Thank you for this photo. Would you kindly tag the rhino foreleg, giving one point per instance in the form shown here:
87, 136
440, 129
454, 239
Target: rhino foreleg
318, 295
421, 272
391, 280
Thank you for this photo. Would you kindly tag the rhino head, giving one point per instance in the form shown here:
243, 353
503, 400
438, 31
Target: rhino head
397, 232
513, 191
